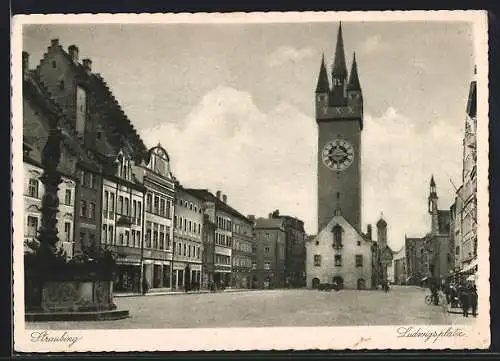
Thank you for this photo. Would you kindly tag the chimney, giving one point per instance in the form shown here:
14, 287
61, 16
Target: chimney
26, 64
369, 231
54, 42
87, 64
224, 198
73, 53
270, 215
218, 195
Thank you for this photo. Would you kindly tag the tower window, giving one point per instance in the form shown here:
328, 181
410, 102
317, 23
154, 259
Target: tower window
337, 236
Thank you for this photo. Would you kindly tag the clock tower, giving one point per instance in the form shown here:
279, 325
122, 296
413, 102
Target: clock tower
339, 116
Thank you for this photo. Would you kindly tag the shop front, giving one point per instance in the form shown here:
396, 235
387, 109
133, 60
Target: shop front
222, 275
128, 276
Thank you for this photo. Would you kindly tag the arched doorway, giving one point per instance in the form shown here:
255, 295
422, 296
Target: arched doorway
361, 284
315, 283
339, 281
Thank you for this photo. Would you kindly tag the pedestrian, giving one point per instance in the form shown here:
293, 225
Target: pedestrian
473, 299
465, 300
145, 286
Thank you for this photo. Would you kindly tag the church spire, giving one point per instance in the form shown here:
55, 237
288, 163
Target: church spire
353, 76
323, 84
339, 65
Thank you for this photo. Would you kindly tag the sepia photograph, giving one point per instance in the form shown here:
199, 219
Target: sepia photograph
250, 181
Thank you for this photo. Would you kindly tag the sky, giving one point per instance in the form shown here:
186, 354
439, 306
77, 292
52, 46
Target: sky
233, 104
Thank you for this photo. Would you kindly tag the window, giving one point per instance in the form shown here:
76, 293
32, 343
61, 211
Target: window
155, 236
254, 265
138, 237
175, 221
317, 243
133, 238
67, 231
185, 223
162, 237
82, 237
167, 235
156, 205
337, 236
195, 209
317, 260
167, 210
33, 188
359, 260
111, 204
83, 208
127, 237
67, 197
254, 249
82, 178
457, 250
267, 236
134, 209
127, 209
91, 181
92, 210
32, 226
54, 64
148, 234
184, 253
190, 206
267, 265
338, 260
189, 251
139, 213
267, 249
121, 239
120, 205
149, 202
189, 226
199, 228
111, 235
162, 207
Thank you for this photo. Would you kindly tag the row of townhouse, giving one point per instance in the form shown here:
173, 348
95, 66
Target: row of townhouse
449, 250
119, 194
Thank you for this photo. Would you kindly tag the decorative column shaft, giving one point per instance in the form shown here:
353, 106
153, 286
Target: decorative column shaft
51, 179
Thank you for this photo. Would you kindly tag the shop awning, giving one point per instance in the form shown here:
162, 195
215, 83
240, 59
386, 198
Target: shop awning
471, 267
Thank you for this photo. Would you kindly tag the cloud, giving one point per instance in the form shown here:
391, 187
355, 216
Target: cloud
372, 44
262, 161
398, 161
267, 160
288, 54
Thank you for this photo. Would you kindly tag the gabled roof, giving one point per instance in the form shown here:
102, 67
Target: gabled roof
269, 223
207, 196
35, 90
99, 84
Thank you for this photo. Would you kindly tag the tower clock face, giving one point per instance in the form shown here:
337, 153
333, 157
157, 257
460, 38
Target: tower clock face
337, 154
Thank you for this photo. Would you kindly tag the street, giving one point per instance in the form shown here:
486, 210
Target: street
265, 308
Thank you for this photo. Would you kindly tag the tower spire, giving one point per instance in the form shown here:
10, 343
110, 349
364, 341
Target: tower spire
353, 76
339, 65
323, 84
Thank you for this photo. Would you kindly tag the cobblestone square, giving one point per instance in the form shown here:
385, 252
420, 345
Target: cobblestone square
267, 308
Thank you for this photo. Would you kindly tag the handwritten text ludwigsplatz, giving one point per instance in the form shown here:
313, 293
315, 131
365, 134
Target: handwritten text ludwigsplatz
430, 333
45, 336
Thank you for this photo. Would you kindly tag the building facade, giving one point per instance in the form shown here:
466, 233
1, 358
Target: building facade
399, 265
464, 209
340, 254
270, 242
109, 197
417, 265
243, 243
295, 250
188, 240
158, 209
208, 255
39, 110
